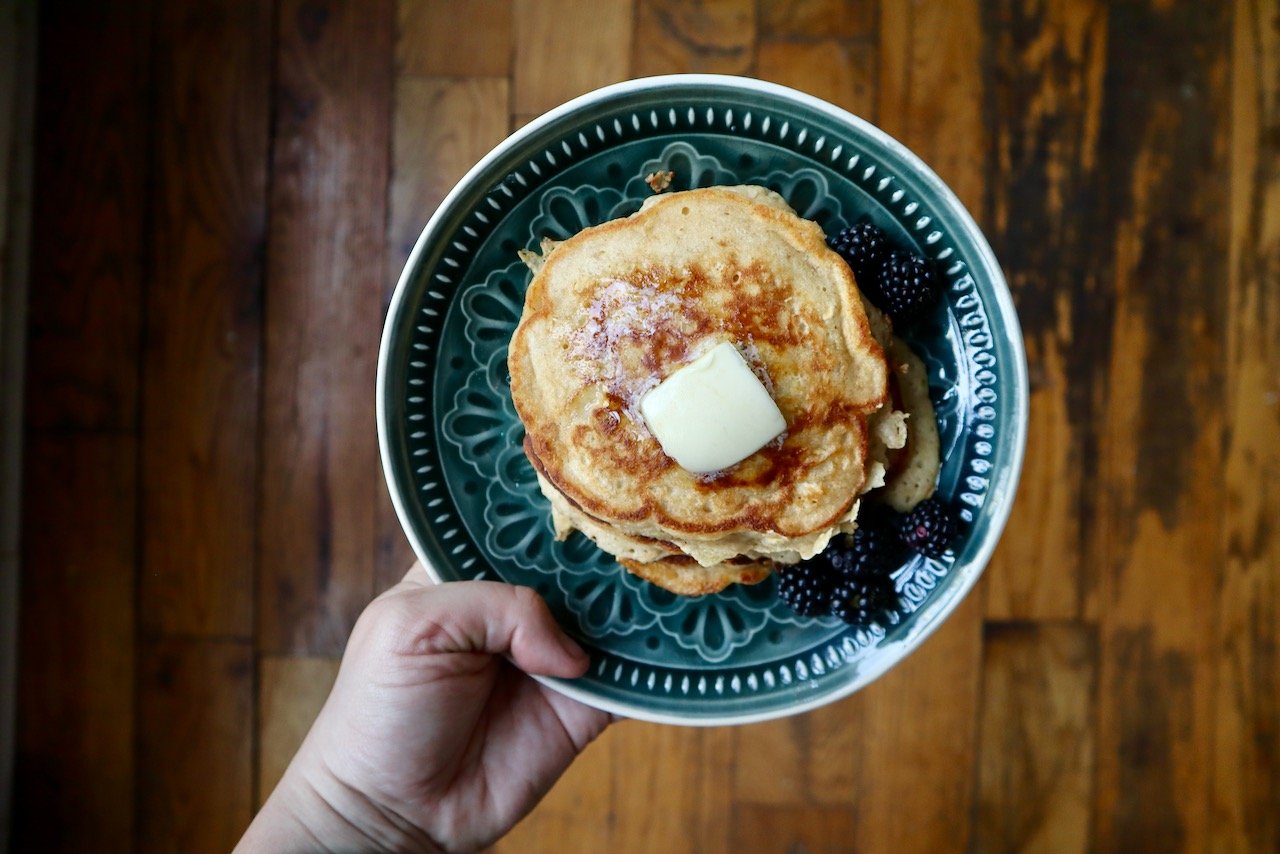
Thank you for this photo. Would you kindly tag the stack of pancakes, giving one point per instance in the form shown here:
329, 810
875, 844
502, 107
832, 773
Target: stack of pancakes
616, 309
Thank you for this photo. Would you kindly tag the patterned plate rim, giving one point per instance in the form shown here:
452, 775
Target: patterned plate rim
938, 609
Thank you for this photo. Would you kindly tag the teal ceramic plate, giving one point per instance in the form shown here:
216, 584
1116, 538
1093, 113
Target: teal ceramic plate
450, 438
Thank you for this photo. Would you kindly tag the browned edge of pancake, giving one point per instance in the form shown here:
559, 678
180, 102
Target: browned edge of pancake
682, 575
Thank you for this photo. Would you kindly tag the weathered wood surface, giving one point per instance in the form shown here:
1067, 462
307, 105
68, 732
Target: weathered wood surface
214, 243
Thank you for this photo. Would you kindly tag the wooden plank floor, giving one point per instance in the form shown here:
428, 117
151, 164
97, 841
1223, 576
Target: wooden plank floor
224, 194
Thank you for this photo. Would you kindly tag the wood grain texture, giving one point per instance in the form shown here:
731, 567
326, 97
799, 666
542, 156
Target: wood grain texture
291, 692
17, 138
76, 649
1245, 794
567, 47
840, 73
710, 36
1161, 497
325, 252
917, 748
204, 320
442, 37
819, 19
1036, 748
793, 828
1045, 65
680, 803
578, 814
88, 223
442, 127
195, 744
1111, 684
923, 714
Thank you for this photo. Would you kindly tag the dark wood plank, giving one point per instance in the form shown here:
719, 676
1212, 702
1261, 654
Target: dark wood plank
17, 119
320, 475
795, 828
76, 651
1044, 72
439, 37
203, 339
1163, 182
195, 744
1036, 743
88, 223
673, 37
567, 47
819, 19
1245, 795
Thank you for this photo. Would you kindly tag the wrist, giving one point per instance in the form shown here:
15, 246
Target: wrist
312, 809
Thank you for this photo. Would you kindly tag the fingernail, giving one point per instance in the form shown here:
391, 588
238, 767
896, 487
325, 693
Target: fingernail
572, 649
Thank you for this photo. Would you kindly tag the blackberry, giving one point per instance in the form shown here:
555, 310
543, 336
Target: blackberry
806, 588
904, 286
871, 549
862, 246
929, 528
864, 599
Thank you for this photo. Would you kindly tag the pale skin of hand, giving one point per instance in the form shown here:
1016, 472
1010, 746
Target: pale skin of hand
432, 739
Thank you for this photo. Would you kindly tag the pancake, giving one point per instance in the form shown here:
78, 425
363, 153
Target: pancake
617, 308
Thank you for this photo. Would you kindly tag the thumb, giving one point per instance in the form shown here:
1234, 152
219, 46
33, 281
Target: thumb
495, 618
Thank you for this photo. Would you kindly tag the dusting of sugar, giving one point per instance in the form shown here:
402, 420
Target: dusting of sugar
619, 313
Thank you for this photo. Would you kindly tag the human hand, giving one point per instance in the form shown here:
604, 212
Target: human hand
431, 739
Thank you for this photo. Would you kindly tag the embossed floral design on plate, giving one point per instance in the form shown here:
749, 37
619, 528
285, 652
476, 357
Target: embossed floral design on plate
451, 442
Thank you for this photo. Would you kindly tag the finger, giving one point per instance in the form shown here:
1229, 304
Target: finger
500, 619
417, 576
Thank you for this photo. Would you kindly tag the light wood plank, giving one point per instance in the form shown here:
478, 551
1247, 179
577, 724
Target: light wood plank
442, 127
195, 740
840, 73
443, 37
566, 48
1036, 738
769, 761
676, 37
291, 692
204, 324
1047, 65
931, 90
325, 265
75, 725
578, 813
920, 723
920, 720
679, 802
1245, 796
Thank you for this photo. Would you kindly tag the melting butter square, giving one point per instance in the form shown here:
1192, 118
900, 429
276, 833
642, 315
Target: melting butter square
713, 412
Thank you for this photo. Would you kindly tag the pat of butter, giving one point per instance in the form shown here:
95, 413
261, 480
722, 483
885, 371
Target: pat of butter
713, 412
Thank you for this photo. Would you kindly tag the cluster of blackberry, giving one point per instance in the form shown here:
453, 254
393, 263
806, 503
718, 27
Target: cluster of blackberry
852, 579
900, 283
